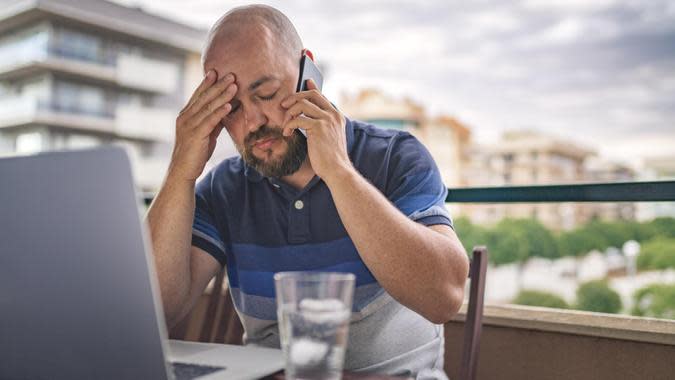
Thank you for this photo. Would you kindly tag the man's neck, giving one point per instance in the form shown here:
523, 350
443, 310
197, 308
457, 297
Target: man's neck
302, 177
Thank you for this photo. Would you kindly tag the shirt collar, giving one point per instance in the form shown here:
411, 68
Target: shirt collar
252, 174
255, 176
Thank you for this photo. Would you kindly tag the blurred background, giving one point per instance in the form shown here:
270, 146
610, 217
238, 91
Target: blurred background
502, 93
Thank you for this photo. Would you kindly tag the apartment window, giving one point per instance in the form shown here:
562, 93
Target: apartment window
72, 44
27, 143
80, 98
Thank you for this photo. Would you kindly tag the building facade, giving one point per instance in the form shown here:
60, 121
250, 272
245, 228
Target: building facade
528, 158
77, 74
446, 138
599, 170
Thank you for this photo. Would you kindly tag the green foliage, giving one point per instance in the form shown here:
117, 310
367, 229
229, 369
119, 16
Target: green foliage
599, 297
542, 243
658, 253
514, 240
470, 234
641, 232
662, 227
579, 242
657, 301
539, 298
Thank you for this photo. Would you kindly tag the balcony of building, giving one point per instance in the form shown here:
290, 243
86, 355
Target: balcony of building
126, 71
121, 121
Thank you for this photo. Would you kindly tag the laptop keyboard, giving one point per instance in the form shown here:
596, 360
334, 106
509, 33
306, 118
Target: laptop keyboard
187, 371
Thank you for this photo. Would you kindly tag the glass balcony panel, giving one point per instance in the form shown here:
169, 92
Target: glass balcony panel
148, 74
23, 48
145, 122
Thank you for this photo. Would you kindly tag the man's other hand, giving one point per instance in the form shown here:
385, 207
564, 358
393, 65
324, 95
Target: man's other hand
325, 127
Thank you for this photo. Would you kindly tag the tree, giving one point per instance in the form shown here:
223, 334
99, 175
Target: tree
508, 243
657, 301
470, 234
599, 297
542, 243
539, 298
658, 253
663, 226
640, 232
579, 242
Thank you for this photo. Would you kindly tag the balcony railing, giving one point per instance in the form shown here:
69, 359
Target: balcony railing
654, 191
135, 122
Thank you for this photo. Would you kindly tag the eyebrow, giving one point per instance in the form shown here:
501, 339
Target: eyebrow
260, 81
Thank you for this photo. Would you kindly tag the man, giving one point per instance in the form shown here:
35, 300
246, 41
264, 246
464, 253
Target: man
348, 197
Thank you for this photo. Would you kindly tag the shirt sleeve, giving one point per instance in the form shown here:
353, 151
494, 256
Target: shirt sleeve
205, 232
414, 183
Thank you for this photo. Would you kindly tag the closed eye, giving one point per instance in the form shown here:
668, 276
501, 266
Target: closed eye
266, 98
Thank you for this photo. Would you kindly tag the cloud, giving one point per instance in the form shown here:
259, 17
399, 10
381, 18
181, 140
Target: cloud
602, 69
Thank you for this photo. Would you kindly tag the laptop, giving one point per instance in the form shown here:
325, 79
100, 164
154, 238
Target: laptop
78, 292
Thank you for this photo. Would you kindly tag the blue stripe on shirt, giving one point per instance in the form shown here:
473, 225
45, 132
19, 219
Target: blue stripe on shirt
293, 257
262, 283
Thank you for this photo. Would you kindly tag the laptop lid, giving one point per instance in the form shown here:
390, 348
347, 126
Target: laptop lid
76, 287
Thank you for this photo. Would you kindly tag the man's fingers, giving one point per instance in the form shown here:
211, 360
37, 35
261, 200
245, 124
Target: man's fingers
213, 120
209, 94
302, 122
311, 85
214, 104
313, 96
305, 107
209, 79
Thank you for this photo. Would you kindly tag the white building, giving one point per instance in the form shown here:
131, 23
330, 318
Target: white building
89, 72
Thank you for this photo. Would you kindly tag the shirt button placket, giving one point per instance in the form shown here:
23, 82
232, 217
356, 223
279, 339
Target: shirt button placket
298, 223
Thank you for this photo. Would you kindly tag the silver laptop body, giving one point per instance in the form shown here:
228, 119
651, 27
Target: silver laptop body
78, 292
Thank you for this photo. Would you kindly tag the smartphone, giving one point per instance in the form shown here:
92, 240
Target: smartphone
308, 70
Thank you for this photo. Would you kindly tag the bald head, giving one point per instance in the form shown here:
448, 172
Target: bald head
246, 24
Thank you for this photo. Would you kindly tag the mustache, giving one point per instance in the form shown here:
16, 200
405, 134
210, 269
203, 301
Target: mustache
264, 131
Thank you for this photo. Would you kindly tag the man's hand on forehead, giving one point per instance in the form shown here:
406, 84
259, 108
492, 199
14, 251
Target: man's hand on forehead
199, 124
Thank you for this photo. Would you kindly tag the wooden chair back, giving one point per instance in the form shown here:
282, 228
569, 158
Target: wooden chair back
473, 324
213, 320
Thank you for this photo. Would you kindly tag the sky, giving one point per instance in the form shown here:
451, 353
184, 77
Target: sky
598, 72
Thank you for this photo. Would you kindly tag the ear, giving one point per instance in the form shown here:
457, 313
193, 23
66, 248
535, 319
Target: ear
308, 53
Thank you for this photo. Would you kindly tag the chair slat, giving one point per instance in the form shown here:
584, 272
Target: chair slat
474, 317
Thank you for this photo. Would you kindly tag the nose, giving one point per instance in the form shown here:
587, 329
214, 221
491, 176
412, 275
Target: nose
254, 117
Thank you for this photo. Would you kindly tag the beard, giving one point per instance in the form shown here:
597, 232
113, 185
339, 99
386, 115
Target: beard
289, 162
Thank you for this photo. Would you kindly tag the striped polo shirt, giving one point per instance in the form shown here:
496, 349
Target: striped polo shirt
257, 226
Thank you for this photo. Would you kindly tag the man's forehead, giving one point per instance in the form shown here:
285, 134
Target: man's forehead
246, 63
249, 75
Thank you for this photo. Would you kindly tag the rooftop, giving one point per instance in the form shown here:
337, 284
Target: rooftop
133, 22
